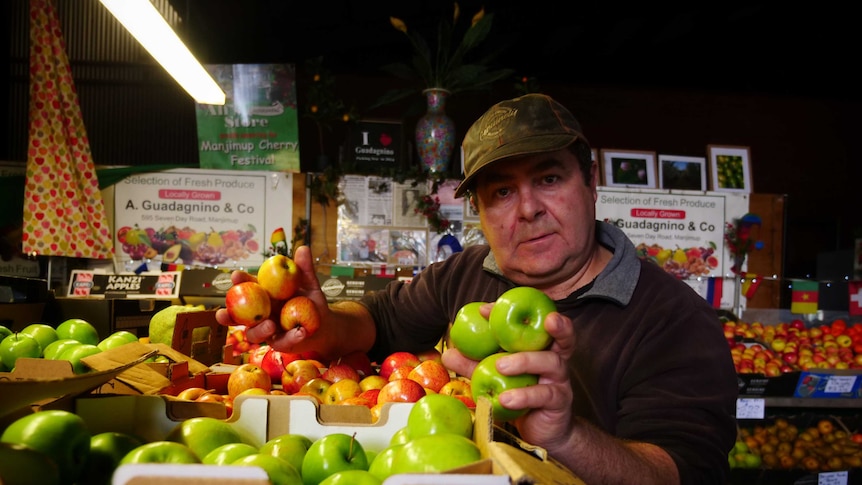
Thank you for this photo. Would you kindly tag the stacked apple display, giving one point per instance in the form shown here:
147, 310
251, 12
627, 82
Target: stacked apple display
56, 447
773, 350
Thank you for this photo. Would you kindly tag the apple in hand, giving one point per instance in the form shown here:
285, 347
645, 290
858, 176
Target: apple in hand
297, 373
487, 381
290, 447
22, 465
401, 390
332, 453
203, 434
42, 332
247, 376
161, 452
107, 449
61, 435
300, 311
228, 453
16, 346
471, 333
279, 275
439, 413
396, 360
518, 319
431, 374
78, 329
247, 303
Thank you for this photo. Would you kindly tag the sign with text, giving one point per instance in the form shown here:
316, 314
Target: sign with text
158, 286
376, 144
258, 127
201, 218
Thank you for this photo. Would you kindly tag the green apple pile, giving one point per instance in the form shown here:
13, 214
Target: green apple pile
516, 324
71, 340
437, 437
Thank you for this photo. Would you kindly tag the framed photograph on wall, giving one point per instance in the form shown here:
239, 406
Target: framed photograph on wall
676, 172
730, 168
628, 168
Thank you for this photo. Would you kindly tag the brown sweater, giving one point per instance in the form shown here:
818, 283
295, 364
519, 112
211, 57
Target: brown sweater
651, 363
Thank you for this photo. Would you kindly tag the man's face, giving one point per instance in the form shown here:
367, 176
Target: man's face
538, 216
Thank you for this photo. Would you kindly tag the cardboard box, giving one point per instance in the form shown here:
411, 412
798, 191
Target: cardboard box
260, 418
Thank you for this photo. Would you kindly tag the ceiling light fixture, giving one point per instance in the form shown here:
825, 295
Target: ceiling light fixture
148, 26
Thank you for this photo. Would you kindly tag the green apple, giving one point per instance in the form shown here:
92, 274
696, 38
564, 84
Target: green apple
42, 332
106, 451
332, 453
61, 435
4, 332
352, 477
400, 436
471, 333
16, 346
383, 463
57, 347
279, 471
290, 447
203, 434
228, 453
80, 330
116, 339
487, 381
435, 453
75, 353
439, 413
161, 452
22, 465
518, 319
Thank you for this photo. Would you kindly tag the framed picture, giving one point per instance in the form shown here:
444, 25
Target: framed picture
730, 168
629, 168
677, 172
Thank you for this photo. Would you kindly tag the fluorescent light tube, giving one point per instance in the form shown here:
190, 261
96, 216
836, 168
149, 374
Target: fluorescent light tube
148, 26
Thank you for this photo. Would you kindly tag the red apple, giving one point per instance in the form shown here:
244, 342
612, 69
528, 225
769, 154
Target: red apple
247, 303
300, 311
191, 393
371, 395
358, 401
430, 354
372, 382
402, 372
247, 376
297, 373
341, 390
396, 360
315, 387
279, 276
401, 390
431, 374
338, 372
358, 360
211, 396
275, 361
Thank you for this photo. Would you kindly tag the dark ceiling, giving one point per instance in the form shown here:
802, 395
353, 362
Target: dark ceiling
758, 47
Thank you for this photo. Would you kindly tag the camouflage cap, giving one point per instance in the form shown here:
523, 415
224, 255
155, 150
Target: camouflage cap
533, 123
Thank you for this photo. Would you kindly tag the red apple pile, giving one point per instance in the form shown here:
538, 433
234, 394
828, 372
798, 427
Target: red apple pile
273, 295
793, 346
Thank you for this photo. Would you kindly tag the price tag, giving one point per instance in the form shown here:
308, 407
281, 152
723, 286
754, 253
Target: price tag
833, 478
840, 384
748, 408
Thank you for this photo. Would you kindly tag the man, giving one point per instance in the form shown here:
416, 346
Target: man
638, 386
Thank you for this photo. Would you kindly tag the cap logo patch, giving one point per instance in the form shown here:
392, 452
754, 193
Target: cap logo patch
496, 122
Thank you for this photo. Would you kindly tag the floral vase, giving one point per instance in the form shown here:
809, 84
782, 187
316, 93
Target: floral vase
435, 133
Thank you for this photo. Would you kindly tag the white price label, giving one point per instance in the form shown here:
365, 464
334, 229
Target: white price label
832, 478
840, 384
747, 408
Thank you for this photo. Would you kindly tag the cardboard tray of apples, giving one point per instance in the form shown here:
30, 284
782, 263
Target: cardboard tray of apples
259, 418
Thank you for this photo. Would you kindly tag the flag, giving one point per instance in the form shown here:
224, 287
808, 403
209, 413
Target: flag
855, 307
804, 296
750, 284
714, 287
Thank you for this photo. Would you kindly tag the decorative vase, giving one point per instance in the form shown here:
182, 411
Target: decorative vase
435, 132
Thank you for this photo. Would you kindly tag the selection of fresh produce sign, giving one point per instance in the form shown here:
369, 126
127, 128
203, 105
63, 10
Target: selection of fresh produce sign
680, 262
772, 350
186, 245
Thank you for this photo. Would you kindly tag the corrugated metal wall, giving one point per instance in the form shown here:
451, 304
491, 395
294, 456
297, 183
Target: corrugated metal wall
135, 114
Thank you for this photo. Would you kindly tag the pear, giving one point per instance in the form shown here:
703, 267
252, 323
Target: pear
162, 324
